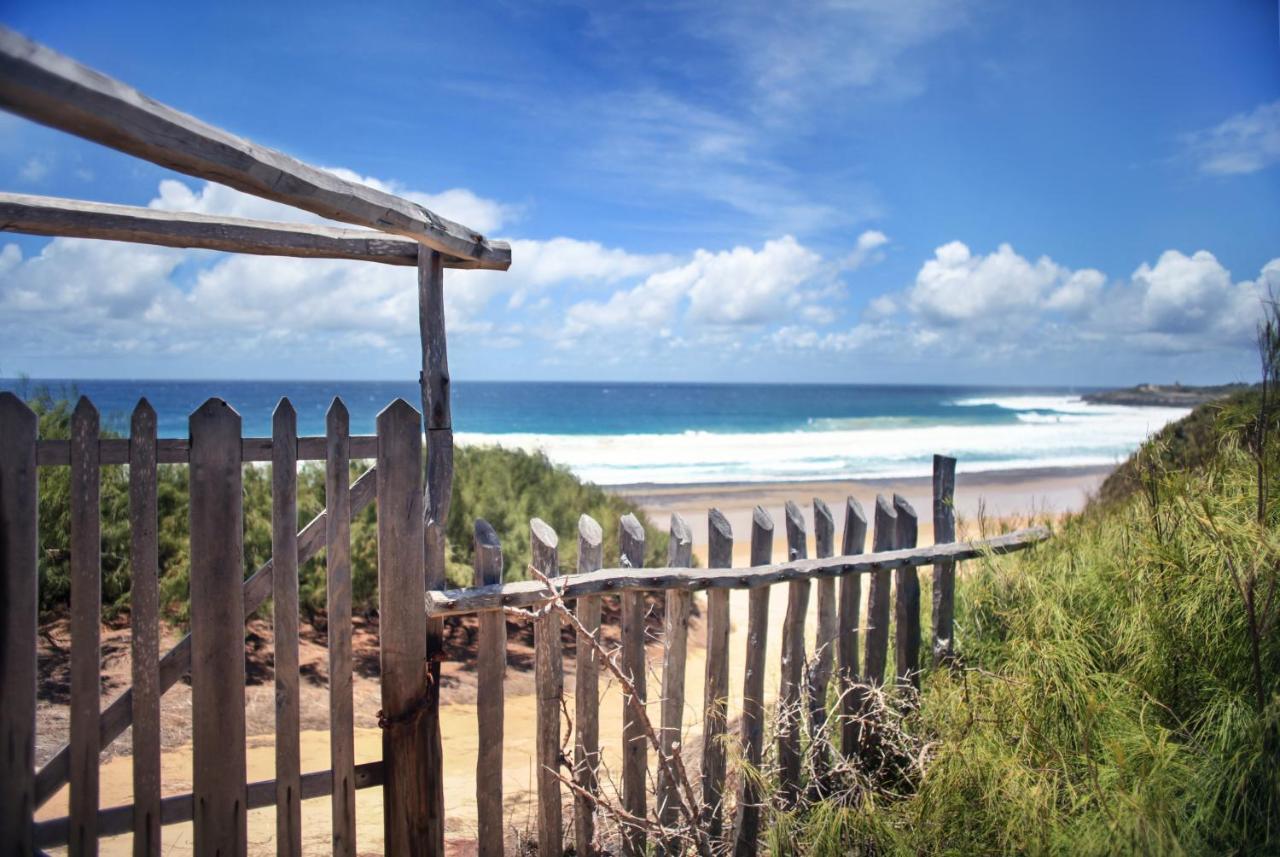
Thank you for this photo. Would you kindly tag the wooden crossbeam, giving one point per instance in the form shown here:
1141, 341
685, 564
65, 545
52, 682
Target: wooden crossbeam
525, 593
46, 87
74, 218
115, 450
176, 809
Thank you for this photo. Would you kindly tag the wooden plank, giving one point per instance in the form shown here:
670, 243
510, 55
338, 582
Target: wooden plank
406, 733
746, 837
793, 662
53, 453
47, 87
18, 618
548, 672
824, 528
715, 725
906, 601
586, 694
74, 218
635, 749
178, 809
435, 383
217, 632
675, 651
886, 522
176, 662
851, 697
284, 620
342, 761
86, 618
491, 667
944, 573
144, 623
454, 602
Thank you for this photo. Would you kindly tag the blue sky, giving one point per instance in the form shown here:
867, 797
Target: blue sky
979, 191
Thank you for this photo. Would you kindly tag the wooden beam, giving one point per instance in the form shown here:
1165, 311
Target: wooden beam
74, 218
47, 87
171, 450
176, 809
526, 593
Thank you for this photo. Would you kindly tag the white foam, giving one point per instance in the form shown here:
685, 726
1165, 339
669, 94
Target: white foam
1078, 434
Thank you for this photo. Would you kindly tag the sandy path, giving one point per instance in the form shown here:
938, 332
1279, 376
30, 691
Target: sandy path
1000, 495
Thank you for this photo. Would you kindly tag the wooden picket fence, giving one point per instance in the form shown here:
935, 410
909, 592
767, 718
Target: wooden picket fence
412, 508
221, 600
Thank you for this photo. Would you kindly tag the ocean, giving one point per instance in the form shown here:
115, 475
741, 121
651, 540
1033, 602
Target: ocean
630, 433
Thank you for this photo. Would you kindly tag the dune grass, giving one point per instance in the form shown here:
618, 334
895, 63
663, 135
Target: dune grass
1113, 695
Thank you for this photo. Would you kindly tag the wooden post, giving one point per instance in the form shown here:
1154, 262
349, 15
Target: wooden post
907, 602
217, 632
18, 610
793, 660
715, 724
851, 698
406, 732
436, 414
747, 824
86, 618
144, 622
944, 573
824, 529
342, 755
878, 597
548, 682
586, 694
676, 647
635, 749
284, 613
491, 667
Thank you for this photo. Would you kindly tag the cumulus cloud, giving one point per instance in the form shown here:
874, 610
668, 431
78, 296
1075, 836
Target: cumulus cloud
1002, 302
1245, 143
743, 286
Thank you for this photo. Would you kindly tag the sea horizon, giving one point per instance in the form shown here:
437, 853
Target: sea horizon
669, 433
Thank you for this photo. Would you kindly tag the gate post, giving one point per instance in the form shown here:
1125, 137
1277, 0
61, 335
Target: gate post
18, 608
402, 633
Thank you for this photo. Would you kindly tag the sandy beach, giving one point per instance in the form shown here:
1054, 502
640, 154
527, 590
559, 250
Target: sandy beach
997, 494
1002, 495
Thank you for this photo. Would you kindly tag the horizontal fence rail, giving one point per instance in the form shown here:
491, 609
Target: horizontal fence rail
528, 593
115, 450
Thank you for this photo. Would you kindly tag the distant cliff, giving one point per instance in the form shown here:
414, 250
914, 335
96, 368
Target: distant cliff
1165, 395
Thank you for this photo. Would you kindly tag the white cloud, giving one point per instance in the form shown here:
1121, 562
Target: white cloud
742, 286
1245, 143
35, 168
957, 287
867, 250
1002, 303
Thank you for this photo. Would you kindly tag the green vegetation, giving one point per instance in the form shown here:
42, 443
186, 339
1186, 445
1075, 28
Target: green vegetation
1120, 685
505, 487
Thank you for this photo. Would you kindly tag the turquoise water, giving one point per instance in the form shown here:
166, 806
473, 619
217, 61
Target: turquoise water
651, 432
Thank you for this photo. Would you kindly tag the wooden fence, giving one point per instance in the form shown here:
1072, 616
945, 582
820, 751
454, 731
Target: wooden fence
213, 655
412, 499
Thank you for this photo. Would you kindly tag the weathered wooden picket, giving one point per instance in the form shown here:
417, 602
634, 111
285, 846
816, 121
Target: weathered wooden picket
412, 502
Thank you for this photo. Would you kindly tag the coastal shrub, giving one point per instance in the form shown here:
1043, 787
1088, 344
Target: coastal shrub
1117, 694
507, 487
